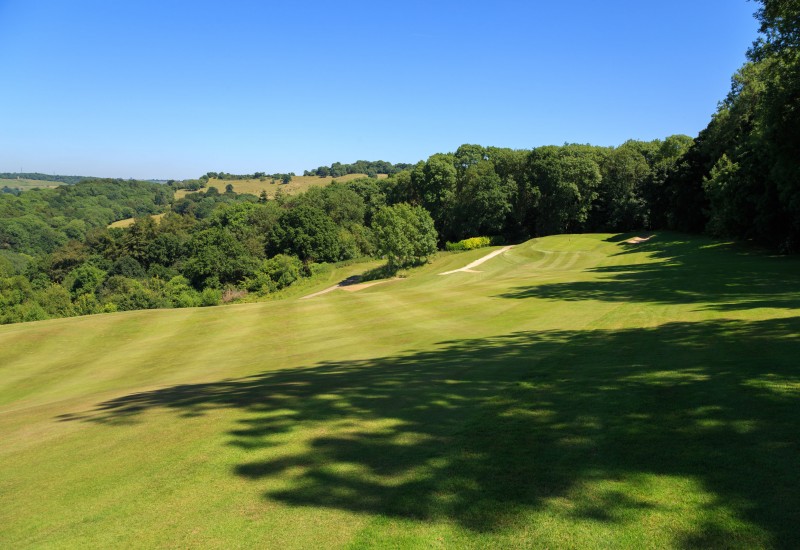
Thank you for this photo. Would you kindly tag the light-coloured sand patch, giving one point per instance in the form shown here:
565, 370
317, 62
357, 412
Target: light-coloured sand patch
320, 293
637, 240
362, 286
349, 286
469, 267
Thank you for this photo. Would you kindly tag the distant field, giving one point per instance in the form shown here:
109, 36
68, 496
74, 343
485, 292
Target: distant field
24, 184
578, 391
297, 185
127, 222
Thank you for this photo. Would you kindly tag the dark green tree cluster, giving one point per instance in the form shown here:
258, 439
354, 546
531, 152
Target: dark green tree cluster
209, 247
741, 177
369, 168
40, 220
255, 176
553, 189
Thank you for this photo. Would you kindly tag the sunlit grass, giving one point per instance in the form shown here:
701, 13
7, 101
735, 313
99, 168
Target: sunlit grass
297, 185
576, 392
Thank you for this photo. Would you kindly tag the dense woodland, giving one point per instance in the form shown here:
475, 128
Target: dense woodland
740, 178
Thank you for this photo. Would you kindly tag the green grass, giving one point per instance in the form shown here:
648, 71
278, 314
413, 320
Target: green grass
25, 184
577, 392
127, 222
298, 184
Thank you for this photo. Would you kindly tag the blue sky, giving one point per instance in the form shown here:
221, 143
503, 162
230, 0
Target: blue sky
171, 89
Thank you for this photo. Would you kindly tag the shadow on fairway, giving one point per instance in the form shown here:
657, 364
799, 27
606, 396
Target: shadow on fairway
480, 431
716, 276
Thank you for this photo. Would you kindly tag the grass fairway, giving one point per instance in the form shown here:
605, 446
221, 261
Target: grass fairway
577, 391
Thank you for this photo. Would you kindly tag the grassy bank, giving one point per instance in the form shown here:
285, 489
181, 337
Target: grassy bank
576, 391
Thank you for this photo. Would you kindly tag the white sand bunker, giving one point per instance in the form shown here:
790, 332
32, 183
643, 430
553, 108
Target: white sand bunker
468, 268
351, 284
637, 240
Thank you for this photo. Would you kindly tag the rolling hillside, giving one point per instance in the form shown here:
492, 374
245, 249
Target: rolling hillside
25, 184
573, 391
297, 185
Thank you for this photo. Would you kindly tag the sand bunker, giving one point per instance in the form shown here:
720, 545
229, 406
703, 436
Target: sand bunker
350, 284
468, 268
637, 240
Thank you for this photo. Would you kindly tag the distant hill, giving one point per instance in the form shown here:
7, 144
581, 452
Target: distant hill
298, 184
370, 168
36, 176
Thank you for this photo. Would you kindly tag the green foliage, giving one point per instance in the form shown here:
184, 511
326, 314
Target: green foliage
127, 267
13, 263
181, 294
36, 176
470, 244
210, 297
337, 169
404, 234
128, 294
40, 221
310, 234
56, 301
483, 201
84, 279
217, 257
567, 179
275, 273
741, 176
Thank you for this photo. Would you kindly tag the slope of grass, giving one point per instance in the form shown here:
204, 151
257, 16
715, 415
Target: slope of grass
297, 185
577, 392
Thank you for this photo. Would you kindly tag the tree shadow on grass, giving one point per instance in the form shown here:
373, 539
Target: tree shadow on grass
716, 276
480, 432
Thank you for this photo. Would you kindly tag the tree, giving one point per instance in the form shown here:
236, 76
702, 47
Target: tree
621, 204
405, 234
310, 234
435, 184
483, 201
217, 257
567, 180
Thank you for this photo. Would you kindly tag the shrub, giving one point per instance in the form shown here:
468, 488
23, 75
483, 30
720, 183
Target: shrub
210, 297
404, 234
472, 243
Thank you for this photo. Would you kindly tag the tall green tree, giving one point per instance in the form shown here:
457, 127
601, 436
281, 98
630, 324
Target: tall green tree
404, 234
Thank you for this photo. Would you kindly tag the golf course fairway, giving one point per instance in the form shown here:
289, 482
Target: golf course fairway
576, 391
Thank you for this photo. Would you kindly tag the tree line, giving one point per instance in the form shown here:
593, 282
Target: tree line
740, 177
370, 168
208, 247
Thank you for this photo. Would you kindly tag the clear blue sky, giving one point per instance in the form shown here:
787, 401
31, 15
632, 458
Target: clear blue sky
173, 89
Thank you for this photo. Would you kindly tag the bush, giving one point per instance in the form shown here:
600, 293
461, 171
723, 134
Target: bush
276, 273
473, 242
404, 234
21, 313
210, 297
56, 301
84, 279
129, 294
